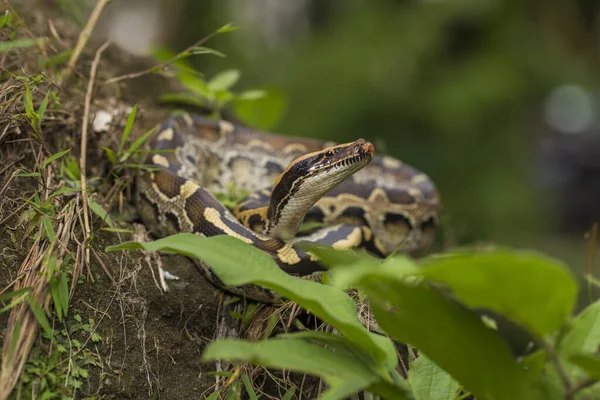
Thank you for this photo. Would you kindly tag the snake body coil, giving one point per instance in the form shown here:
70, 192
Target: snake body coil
376, 202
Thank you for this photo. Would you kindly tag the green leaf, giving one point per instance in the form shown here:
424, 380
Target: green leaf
341, 343
262, 113
6, 46
39, 315
343, 373
43, 106
195, 84
206, 50
590, 363
57, 59
452, 336
101, 212
236, 263
227, 28
252, 95
111, 155
53, 157
28, 103
582, 336
183, 98
249, 388
116, 230
48, 229
429, 382
139, 141
56, 297
289, 394
533, 290
224, 80
536, 361
28, 174
63, 291
65, 190
128, 127
14, 293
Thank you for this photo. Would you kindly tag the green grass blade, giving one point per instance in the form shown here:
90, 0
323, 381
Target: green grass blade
128, 127
39, 315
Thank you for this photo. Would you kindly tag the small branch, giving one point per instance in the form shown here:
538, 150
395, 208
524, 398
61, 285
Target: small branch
84, 36
584, 384
83, 156
555, 360
165, 64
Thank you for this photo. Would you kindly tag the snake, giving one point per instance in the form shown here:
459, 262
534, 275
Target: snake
353, 197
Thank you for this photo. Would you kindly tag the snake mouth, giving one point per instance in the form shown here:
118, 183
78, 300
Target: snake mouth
358, 152
353, 154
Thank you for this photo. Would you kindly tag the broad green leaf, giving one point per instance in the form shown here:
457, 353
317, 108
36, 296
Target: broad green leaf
343, 344
590, 363
39, 315
332, 258
101, 212
262, 113
127, 130
343, 276
343, 373
237, 263
582, 336
224, 80
533, 290
429, 382
446, 332
195, 84
53, 157
536, 360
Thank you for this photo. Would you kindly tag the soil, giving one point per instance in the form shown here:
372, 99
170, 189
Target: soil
151, 341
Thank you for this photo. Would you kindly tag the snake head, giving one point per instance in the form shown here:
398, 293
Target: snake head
358, 153
308, 178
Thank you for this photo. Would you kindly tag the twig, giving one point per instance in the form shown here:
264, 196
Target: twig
83, 157
579, 386
83, 39
165, 64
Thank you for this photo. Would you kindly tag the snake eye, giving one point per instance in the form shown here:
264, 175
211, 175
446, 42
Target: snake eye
329, 153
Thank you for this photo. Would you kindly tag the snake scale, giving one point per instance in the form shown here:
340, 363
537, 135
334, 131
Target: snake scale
364, 200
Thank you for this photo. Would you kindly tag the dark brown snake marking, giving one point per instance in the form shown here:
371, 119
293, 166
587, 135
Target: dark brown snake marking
379, 202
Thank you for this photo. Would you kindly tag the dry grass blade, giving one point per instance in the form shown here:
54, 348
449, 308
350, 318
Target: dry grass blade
84, 36
84, 136
22, 323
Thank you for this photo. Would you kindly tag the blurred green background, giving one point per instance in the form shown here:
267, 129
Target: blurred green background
495, 100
